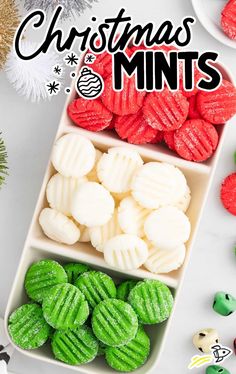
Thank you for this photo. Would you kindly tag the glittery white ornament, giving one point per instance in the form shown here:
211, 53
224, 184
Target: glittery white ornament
29, 77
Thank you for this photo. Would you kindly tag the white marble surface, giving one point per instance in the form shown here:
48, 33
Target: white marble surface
29, 131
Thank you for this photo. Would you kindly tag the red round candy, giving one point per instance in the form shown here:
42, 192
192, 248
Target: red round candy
158, 138
89, 114
228, 193
197, 76
135, 128
127, 101
228, 19
193, 112
165, 110
218, 106
196, 140
169, 139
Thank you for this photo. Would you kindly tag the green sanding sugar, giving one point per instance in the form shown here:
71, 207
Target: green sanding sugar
124, 289
74, 270
65, 307
41, 276
96, 286
131, 356
28, 328
75, 347
114, 322
152, 301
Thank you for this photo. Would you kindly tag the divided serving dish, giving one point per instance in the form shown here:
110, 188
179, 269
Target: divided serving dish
38, 246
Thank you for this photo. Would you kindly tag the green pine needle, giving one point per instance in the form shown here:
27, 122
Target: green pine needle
3, 161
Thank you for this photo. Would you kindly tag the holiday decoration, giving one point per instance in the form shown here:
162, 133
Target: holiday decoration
89, 85
9, 20
71, 7
3, 161
30, 78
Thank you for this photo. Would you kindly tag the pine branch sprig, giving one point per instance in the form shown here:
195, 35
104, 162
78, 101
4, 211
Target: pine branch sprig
3, 162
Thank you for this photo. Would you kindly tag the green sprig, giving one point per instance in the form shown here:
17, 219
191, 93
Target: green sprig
3, 161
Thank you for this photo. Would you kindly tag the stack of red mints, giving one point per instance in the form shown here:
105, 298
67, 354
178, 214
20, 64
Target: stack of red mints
184, 120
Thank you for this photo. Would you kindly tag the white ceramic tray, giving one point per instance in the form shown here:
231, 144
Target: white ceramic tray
38, 246
209, 14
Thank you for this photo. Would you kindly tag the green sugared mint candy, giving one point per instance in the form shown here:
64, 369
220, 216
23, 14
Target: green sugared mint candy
41, 276
215, 369
224, 304
74, 270
114, 322
152, 301
131, 356
96, 287
75, 347
28, 328
124, 289
65, 307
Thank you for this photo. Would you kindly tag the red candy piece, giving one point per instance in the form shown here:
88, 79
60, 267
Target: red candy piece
193, 112
228, 19
218, 106
197, 76
103, 63
89, 114
169, 139
158, 138
135, 128
228, 193
196, 140
165, 110
126, 101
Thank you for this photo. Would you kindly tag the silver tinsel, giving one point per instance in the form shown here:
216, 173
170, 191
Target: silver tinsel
71, 7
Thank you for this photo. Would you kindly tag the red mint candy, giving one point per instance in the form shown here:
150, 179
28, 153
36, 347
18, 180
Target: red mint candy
158, 138
228, 19
218, 106
103, 63
169, 139
228, 193
165, 110
196, 140
89, 114
197, 76
193, 112
126, 101
135, 128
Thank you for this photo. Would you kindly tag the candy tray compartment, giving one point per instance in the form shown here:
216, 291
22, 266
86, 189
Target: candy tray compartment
38, 246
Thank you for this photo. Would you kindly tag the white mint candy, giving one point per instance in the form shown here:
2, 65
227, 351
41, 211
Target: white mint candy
184, 202
125, 252
92, 205
60, 190
92, 175
73, 155
101, 234
167, 227
132, 216
161, 261
58, 227
158, 184
116, 168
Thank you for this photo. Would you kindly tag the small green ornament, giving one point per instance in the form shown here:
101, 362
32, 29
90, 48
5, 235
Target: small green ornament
215, 369
224, 304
